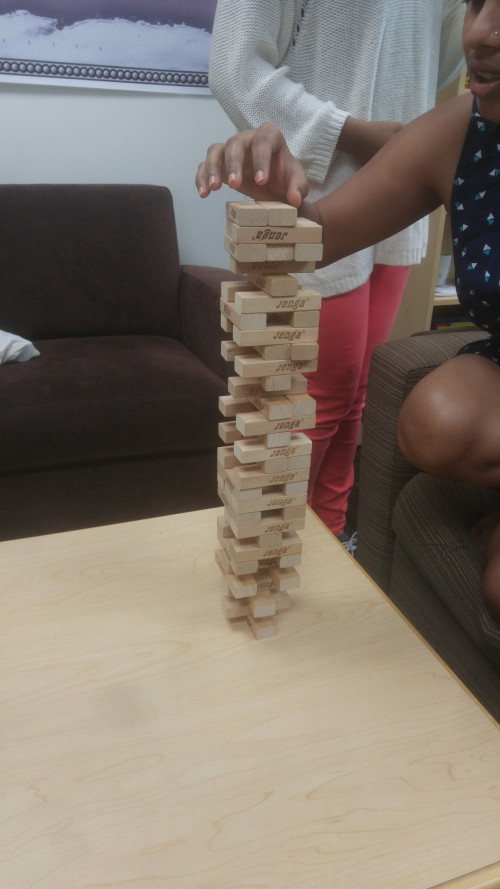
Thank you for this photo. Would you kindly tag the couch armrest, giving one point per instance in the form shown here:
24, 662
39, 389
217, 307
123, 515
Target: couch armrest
395, 368
199, 306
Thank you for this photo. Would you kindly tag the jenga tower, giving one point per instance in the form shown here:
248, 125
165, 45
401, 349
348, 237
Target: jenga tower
263, 470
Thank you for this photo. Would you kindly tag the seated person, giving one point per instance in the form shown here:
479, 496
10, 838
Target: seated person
447, 156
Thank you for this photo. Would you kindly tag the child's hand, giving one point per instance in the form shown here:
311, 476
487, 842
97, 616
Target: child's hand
256, 163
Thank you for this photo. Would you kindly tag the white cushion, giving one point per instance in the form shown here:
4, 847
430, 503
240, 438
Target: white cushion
15, 348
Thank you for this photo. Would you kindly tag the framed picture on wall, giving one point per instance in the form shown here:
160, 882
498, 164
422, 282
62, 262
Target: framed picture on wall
120, 44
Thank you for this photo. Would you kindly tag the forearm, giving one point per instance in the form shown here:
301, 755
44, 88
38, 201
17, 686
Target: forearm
389, 193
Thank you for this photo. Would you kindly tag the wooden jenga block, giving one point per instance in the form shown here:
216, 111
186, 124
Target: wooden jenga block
302, 404
240, 520
254, 366
222, 561
230, 406
263, 628
229, 350
271, 500
294, 512
285, 578
302, 462
272, 538
250, 477
275, 352
303, 319
268, 525
306, 300
276, 439
246, 252
245, 568
254, 321
246, 213
287, 384
308, 231
229, 433
263, 605
240, 267
226, 324
254, 423
290, 561
273, 407
223, 528
248, 550
304, 351
279, 213
254, 451
228, 289
299, 384
256, 301
230, 484
239, 388
304, 252
274, 285
296, 487
281, 383
226, 457
303, 232
234, 609
280, 254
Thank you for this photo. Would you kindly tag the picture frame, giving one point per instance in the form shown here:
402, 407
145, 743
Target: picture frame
159, 45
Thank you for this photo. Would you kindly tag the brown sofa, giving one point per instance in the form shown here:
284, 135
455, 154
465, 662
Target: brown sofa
414, 530
117, 419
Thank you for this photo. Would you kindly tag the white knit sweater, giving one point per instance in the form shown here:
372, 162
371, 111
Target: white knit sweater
306, 65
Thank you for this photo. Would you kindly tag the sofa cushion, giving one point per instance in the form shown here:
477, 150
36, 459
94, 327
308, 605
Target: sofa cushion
83, 260
432, 521
103, 398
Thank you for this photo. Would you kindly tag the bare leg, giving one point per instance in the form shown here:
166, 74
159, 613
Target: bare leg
450, 423
449, 426
491, 577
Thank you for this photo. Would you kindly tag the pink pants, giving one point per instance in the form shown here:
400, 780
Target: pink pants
351, 325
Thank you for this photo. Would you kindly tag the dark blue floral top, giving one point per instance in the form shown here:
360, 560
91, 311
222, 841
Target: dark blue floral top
475, 225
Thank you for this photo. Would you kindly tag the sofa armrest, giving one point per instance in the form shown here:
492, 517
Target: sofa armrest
199, 306
395, 368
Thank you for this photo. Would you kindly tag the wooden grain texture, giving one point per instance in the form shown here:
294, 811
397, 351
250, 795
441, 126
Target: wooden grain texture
146, 742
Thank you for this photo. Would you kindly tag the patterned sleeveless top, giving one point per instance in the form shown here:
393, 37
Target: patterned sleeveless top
475, 225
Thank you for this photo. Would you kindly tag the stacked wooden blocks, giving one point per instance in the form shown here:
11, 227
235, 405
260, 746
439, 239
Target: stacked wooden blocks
263, 469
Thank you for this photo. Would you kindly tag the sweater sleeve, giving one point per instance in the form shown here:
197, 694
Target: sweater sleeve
451, 57
247, 77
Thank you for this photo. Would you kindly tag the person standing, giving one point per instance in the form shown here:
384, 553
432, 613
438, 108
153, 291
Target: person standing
339, 79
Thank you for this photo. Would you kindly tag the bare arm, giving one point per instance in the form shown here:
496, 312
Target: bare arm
407, 179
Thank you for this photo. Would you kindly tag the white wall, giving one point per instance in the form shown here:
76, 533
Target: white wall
66, 134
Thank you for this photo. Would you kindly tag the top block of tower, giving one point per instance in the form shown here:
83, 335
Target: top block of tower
261, 213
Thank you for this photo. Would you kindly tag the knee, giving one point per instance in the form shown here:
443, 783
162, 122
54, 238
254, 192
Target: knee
491, 588
427, 432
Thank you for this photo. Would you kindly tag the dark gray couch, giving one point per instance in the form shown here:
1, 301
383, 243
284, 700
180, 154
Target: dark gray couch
414, 529
117, 419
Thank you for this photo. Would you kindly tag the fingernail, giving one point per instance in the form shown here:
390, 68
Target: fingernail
231, 178
259, 175
212, 178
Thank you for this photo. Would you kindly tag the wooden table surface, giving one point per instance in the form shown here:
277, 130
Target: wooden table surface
147, 744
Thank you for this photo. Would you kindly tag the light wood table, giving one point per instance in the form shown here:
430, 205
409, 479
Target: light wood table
147, 744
